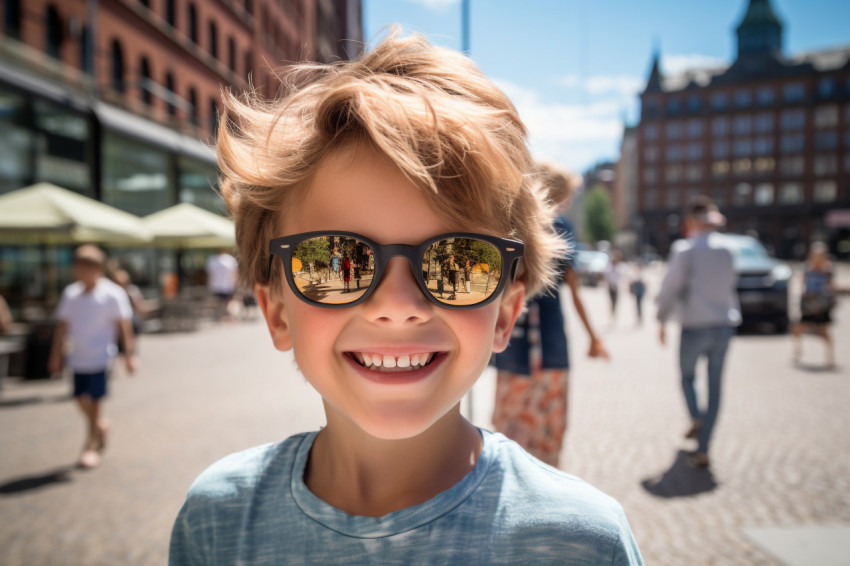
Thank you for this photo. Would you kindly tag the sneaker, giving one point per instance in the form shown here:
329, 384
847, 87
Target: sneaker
693, 432
698, 460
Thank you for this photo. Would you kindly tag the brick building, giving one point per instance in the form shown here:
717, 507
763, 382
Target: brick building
118, 99
767, 137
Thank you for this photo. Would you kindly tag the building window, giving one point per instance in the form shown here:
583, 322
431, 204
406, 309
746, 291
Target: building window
826, 140
791, 193
825, 165
694, 128
826, 116
193, 106
672, 200
249, 6
694, 103
12, 18
720, 149
792, 143
764, 194
213, 116
650, 199
196, 183
248, 65
765, 164
650, 176
85, 50
674, 153
650, 133
794, 92
60, 140
825, 191
743, 194
764, 122
743, 98
720, 168
231, 54
742, 166
170, 16
171, 94
742, 125
694, 151
792, 165
827, 87
673, 173
213, 39
117, 66
720, 126
847, 162
793, 119
674, 130
763, 146
693, 173
719, 196
53, 31
719, 101
651, 153
765, 96
145, 85
742, 147
136, 176
193, 23
674, 105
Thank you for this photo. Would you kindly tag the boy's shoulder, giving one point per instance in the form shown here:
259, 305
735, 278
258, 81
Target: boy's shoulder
238, 474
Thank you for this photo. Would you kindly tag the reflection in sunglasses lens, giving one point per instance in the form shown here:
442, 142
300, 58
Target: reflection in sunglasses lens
333, 269
462, 271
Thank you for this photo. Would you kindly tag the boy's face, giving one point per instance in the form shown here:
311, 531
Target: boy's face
369, 195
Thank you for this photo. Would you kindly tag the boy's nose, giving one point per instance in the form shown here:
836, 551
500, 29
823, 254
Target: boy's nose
398, 297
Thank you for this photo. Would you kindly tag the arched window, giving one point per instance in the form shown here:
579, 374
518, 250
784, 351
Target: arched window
213, 39
193, 23
172, 94
53, 29
12, 18
193, 106
117, 66
249, 63
231, 54
249, 6
170, 16
145, 81
213, 116
85, 50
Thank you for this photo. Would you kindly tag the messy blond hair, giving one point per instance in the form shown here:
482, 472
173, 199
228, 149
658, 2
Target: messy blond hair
450, 130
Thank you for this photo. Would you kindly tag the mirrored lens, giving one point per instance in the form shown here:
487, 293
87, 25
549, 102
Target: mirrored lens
333, 269
462, 271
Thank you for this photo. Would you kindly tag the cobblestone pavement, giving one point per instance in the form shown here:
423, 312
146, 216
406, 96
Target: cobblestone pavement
781, 451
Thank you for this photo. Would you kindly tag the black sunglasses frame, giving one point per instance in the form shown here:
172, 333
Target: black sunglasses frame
510, 250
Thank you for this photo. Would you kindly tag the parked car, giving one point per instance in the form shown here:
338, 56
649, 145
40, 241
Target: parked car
590, 265
762, 283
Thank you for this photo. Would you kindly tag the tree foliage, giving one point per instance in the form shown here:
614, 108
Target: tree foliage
598, 215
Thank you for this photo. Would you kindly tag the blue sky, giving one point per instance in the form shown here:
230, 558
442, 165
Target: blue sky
573, 68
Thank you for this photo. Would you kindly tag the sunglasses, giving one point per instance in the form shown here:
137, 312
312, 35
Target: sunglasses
341, 269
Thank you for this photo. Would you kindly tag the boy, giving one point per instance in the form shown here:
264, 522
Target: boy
411, 154
93, 312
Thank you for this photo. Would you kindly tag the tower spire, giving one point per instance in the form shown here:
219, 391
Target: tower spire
760, 32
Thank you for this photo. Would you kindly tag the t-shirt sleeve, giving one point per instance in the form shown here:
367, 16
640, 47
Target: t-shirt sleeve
62, 308
123, 308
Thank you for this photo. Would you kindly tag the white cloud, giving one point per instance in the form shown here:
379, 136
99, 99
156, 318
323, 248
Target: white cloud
619, 85
574, 135
435, 5
676, 64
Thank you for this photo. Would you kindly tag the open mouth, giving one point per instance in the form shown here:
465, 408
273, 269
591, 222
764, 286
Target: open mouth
387, 363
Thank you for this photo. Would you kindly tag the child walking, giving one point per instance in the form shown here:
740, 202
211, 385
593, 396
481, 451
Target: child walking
412, 154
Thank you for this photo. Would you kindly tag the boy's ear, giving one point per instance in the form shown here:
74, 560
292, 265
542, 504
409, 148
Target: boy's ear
276, 317
510, 306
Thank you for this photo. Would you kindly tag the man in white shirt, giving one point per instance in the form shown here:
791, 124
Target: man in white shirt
92, 313
700, 285
221, 279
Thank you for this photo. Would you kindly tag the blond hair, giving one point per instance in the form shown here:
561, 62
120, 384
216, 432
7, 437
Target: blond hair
450, 130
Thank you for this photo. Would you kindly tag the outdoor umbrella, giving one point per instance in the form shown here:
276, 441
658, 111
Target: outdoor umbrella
185, 226
50, 215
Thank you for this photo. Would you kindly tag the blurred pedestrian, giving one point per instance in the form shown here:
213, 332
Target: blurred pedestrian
613, 276
637, 287
817, 301
134, 294
93, 313
532, 389
221, 280
700, 286
5, 317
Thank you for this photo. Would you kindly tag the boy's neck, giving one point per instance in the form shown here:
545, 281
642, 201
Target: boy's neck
367, 476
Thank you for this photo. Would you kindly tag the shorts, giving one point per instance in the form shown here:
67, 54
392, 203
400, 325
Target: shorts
90, 384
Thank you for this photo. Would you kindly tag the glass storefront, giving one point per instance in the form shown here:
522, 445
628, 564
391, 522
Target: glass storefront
197, 183
15, 142
136, 177
61, 147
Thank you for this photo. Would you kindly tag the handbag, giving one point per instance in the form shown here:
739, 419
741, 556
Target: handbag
816, 303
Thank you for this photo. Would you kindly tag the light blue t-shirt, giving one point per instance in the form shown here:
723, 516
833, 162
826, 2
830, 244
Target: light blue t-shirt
253, 507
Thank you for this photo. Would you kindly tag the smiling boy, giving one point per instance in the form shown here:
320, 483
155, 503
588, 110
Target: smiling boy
409, 156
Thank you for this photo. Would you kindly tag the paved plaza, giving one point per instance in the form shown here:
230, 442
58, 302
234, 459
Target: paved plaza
779, 480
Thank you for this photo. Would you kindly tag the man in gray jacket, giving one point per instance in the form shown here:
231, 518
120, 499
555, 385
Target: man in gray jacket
700, 288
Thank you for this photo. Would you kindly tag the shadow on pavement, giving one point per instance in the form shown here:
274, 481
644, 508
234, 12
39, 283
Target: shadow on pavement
33, 400
28, 483
815, 368
681, 480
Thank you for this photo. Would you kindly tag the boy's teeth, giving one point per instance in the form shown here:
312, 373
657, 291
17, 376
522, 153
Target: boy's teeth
414, 359
366, 359
404, 361
389, 362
